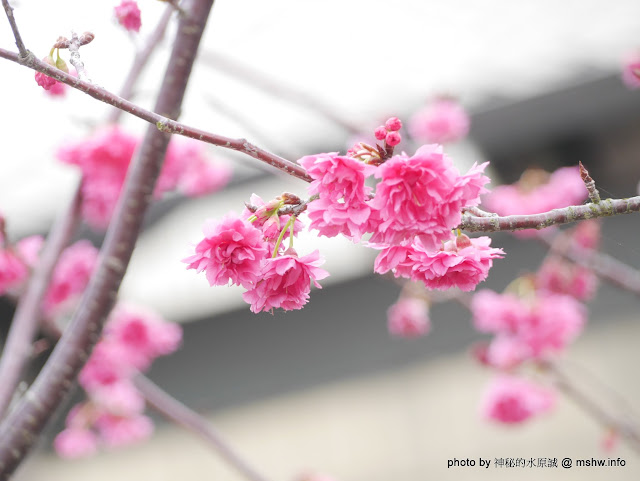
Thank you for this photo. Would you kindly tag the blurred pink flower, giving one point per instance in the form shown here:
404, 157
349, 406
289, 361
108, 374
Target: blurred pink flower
439, 122
631, 70
511, 400
73, 443
128, 15
409, 317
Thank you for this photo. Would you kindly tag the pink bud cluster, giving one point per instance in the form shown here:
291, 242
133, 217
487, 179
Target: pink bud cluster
249, 251
105, 157
441, 121
128, 15
389, 132
113, 414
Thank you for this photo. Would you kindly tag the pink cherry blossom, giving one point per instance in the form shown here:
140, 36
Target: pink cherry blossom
231, 251
586, 234
59, 89
512, 400
453, 266
13, 271
73, 443
395, 258
120, 398
43, 80
128, 15
442, 121
330, 218
142, 334
121, 431
423, 196
536, 192
409, 317
506, 352
108, 364
70, 278
29, 249
285, 282
493, 312
336, 177
631, 70
269, 221
561, 277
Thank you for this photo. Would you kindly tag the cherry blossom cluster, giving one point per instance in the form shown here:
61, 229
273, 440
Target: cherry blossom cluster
249, 251
105, 156
113, 414
410, 218
51, 85
535, 319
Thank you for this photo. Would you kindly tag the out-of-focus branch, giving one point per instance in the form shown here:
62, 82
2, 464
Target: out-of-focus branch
180, 414
25, 322
625, 429
605, 266
141, 60
161, 122
277, 88
19, 431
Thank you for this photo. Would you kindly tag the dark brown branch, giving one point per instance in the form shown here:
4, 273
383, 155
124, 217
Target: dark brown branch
24, 53
161, 122
26, 318
276, 88
180, 414
20, 430
604, 208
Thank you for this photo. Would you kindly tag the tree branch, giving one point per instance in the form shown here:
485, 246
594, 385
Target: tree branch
180, 414
19, 431
161, 122
26, 318
24, 53
604, 208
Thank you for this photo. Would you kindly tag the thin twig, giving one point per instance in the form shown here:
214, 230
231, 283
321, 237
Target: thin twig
161, 122
180, 414
20, 430
141, 60
25, 322
24, 53
76, 61
276, 88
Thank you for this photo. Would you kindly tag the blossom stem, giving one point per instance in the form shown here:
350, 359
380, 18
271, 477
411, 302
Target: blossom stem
180, 414
76, 61
8, 9
289, 223
24, 325
21, 428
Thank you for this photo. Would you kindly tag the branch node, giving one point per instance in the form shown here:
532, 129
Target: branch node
594, 195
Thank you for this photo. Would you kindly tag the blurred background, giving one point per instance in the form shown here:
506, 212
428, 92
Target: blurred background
326, 389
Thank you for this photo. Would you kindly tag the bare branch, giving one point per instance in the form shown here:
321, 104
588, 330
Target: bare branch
161, 122
180, 414
604, 208
76, 61
19, 431
24, 53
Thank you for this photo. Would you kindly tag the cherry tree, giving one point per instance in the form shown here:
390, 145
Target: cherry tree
395, 190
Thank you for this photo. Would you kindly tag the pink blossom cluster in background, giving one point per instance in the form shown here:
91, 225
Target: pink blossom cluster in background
104, 159
534, 320
440, 121
536, 192
631, 70
408, 318
128, 15
113, 414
